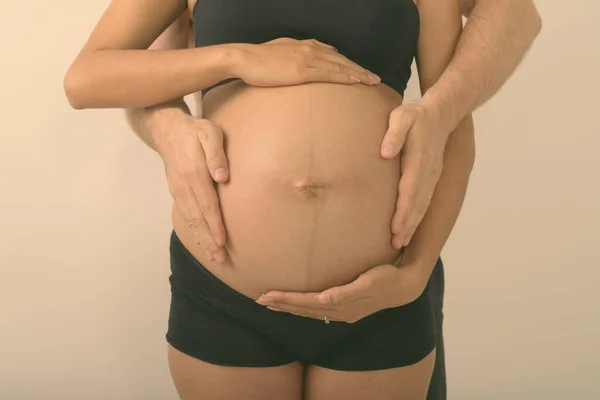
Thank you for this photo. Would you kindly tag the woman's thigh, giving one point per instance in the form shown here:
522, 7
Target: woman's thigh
197, 380
403, 383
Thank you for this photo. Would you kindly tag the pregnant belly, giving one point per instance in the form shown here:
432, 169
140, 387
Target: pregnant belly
310, 200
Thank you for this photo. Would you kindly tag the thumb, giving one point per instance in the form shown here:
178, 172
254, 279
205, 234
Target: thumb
211, 139
340, 294
401, 120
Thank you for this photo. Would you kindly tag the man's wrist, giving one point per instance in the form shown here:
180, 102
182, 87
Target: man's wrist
443, 111
451, 99
160, 121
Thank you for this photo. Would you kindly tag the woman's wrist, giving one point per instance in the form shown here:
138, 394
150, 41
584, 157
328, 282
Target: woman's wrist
232, 58
419, 260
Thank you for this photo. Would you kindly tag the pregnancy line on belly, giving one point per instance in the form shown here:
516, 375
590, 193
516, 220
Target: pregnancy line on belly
312, 189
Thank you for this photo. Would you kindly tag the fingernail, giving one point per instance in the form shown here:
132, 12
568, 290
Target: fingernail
274, 309
375, 78
324, 298
220, 174
388, 150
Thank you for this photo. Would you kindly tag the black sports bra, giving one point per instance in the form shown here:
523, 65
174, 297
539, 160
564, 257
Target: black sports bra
379, 35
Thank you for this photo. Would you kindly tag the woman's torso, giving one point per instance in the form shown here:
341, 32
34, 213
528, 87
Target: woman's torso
310, 200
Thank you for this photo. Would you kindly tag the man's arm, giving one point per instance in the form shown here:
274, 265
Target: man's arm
147, 121
192, 150
437, 224
496, 37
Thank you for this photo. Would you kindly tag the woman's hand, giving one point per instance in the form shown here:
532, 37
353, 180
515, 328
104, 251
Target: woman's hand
285, 62
193, 154
416, 131
381, 287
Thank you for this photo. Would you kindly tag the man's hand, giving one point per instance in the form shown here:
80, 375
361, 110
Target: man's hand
417, 133
193, 154
381, 287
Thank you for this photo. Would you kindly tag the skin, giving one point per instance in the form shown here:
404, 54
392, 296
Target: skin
494, 41
424, 247
321, 383
496, 37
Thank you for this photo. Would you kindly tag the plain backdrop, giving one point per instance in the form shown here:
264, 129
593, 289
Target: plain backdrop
84, 226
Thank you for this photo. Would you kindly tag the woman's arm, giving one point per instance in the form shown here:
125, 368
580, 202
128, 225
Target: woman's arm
497, 36
114, 70
441, 27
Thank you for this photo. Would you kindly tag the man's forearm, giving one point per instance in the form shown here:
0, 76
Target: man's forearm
496, 37
431, 235
150, 122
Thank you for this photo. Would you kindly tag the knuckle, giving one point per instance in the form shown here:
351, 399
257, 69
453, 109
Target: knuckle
212, 158
196, 222
206, 208
397, 112
204, 135
306, 48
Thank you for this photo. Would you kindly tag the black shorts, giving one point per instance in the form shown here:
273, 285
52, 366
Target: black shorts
212, 322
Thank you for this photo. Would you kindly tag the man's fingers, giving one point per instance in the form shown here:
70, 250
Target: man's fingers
211, 138
211, 211
406, 199
188, 207
400, 123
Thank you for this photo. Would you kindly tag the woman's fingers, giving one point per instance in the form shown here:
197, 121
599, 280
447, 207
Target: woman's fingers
316, 74
325, 45
338, 61
327, 71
